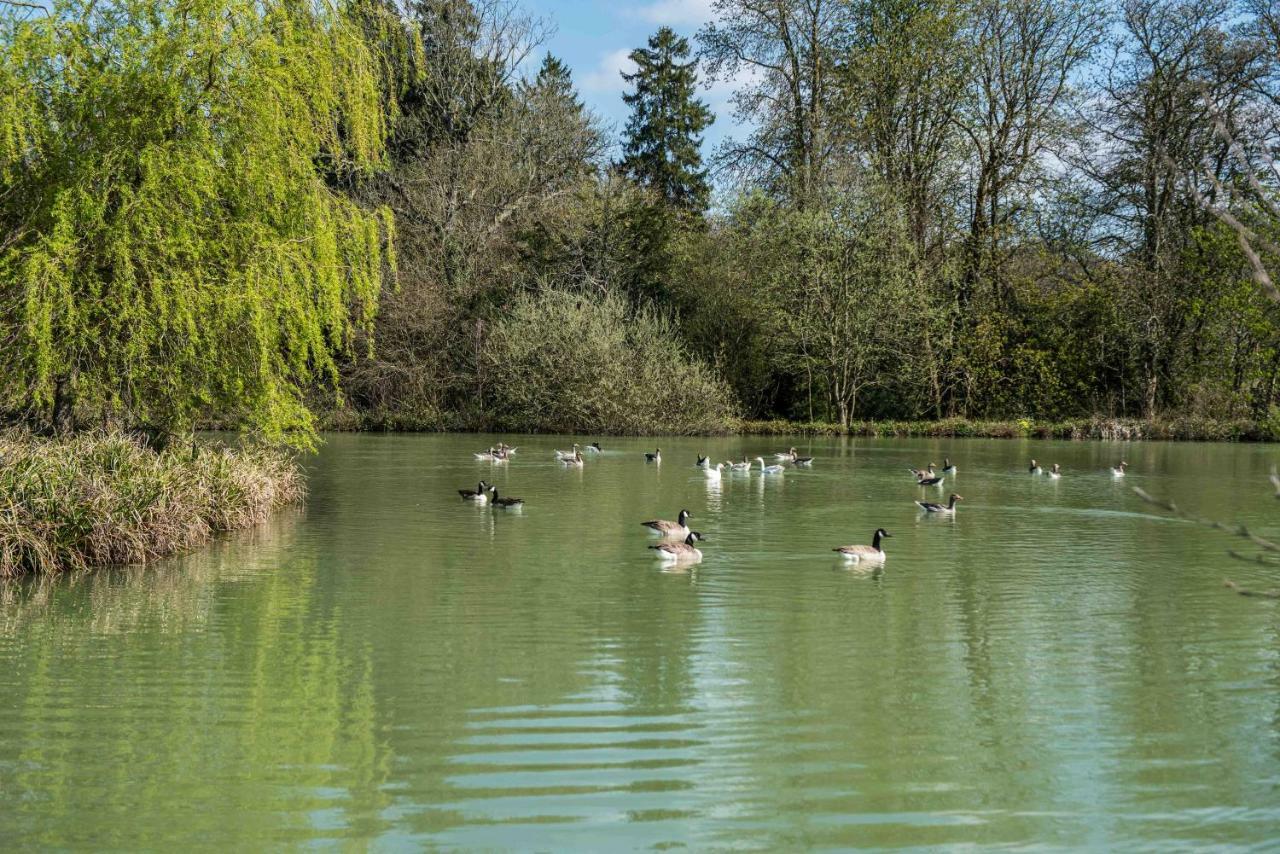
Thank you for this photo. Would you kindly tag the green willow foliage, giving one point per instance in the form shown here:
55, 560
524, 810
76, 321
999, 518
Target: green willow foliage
170, 245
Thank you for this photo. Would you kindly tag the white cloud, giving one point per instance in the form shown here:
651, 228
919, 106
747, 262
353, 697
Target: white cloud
607, 75
676, 12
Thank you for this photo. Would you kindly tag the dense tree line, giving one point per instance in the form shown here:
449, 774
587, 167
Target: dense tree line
983, 208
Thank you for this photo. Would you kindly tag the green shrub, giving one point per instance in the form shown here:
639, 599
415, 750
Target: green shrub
561, 362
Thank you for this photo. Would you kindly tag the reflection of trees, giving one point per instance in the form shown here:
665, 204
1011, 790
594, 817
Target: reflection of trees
264, 716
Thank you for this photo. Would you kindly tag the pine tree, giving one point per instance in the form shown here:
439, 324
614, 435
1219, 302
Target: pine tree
662, 136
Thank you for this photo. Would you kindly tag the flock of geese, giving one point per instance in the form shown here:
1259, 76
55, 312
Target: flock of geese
680, 541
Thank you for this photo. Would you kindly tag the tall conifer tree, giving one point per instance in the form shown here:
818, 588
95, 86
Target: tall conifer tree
663, 134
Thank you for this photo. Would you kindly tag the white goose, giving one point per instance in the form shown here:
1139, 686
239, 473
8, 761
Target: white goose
1118, 471
1034, 468
764, 469
745, 465
1055, 472
567, 455
490, 455
575, 460
713, 473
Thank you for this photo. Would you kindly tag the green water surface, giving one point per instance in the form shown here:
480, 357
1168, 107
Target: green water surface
1058, 666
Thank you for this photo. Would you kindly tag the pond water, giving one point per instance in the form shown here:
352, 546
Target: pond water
391, 667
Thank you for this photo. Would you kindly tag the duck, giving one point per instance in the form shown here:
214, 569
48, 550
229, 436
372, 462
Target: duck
921, 474
567, 455
655, 457
872, 554
479, 495
949, 508
504, 503
713, 473
764, 469
685, 552
1118, 471
678, 528
704, 462
948, 467
797, 460
1034, 468
1055, 472
575, 460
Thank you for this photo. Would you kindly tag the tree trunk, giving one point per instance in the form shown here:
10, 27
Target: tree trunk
63, 403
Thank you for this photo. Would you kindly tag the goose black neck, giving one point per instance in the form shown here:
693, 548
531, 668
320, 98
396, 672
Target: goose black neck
875, 541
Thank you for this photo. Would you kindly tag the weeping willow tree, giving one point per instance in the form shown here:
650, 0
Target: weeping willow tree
171, 247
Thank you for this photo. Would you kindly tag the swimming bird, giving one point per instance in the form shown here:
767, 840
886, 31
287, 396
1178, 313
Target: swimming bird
713, 473
1034, 468
948, 508
1055, 472
1118, 471
745, 465
490, 455
479, 495
703, 462
784, 455
595, 448
920, 474
764, 469
1275, 481
797, 460
506, 450
947, 467
930, 481
671, 529
505, 503
567, 455
872, 554
685, 552
575, 460
655, 457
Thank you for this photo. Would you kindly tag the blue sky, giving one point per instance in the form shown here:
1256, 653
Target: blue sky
594, 38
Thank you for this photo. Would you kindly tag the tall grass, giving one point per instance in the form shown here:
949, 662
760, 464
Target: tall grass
106, 498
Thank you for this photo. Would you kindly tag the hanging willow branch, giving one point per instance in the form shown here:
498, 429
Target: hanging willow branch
1235, 530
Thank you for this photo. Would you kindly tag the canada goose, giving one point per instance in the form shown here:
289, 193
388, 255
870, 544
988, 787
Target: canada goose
920, 474
1034, 468
595, 448
479, 495
949, 507
671, 529
947, 467
704, 462
575, 460
713, 473
1118, 471
685, 552
505, 503
490, 455
1055, 472
567, 455
871, 554
797, 460
655, 457
764, 469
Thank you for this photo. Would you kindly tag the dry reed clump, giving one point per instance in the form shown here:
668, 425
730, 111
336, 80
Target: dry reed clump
106, 498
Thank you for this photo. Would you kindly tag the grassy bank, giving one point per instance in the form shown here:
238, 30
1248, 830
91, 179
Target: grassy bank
1109, 429
98, 499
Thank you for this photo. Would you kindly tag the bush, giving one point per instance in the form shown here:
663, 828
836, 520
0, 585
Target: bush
97, 499
559, 362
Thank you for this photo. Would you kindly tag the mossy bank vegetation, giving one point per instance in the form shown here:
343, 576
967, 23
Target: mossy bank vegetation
108, 498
